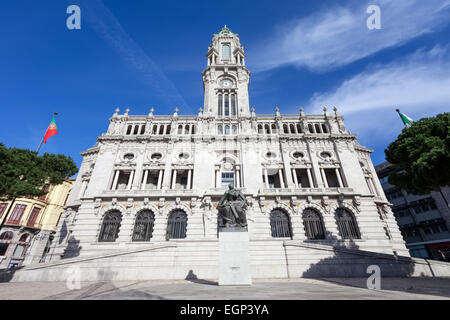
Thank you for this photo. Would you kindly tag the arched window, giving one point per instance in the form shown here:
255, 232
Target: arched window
292, 127
6, 236
280, 224
227, 130
176, 225
129, 129
324, 128
260, 129
312, 221
285, 128
24, 238
347, 225
143, 227
274, 128
110, 226
5, 239
317, 127
180, 129
234, 129
226, 52
299, 128
220, 129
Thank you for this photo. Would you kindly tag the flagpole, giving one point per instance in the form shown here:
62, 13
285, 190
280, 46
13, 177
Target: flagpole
39, 147
40, 144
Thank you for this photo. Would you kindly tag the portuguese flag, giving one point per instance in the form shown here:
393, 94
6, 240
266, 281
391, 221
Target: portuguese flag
51, 130
407, 121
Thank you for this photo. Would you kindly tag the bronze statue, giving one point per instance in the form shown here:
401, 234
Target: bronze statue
231, 208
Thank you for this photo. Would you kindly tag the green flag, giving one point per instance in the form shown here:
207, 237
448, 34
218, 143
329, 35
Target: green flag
407, 121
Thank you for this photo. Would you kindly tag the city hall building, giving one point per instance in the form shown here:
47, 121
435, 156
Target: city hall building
144, 204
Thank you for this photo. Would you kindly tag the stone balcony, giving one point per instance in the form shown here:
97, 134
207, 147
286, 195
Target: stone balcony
305, 191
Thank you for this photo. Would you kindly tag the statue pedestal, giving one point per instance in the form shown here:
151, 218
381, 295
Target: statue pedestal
234, 258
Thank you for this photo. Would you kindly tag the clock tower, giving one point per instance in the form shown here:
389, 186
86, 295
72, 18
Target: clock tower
226, 79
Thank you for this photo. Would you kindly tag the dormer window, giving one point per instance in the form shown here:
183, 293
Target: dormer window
226, 52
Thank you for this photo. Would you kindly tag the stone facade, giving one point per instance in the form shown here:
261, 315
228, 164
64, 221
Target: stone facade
316, 205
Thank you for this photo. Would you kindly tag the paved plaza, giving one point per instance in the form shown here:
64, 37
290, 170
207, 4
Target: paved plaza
274, 289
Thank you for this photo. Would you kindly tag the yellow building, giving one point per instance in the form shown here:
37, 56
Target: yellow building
28, 232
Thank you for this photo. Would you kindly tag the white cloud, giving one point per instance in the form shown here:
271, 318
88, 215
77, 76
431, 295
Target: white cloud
418, 85
338, 35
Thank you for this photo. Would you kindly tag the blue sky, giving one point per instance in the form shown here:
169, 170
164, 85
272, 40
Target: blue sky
143, 54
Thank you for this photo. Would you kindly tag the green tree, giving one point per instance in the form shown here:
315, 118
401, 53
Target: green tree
423, 152
24, 173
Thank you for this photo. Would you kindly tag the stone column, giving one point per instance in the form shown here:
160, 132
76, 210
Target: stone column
324, 178
315, 167
189, 179
294, 173
238, 178
116, 180
266, 177
144, 182
130, 180
160, 175
310, 180
338, 175
280, 175
217, 176
174, 179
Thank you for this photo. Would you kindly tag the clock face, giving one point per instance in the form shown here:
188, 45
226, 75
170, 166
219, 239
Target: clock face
226, 83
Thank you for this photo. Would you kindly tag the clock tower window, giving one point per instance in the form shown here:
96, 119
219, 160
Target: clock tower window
227, 106
226, 52
220, 105
233, 105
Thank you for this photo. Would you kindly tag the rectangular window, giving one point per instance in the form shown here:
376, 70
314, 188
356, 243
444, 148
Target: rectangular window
227, 106
17, 213
274, 181
227, 178
302, 178
226, 52
181, 182
124, 178
219, 105
332, 179
19, 252
3, 248
152, 180
3, 207
233, 105
33, 216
